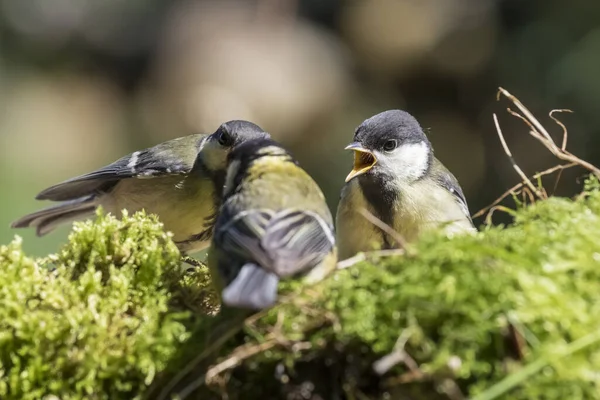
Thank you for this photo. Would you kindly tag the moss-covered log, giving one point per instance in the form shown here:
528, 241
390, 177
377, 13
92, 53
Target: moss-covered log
512, 312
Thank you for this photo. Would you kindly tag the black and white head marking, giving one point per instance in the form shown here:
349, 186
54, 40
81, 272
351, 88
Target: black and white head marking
403, 155
214, 149
398, 143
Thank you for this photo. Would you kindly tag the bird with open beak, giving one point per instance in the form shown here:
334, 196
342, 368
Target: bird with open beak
396, 179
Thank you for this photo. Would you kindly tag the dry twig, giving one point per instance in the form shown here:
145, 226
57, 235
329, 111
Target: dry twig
237, 357
369, 256
564, 128
540, 133
512, 160
383, 226
537, 131
514, 189
398, 355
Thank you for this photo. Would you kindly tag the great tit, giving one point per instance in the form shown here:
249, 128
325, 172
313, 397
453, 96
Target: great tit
274, 224
180, 180
397, 179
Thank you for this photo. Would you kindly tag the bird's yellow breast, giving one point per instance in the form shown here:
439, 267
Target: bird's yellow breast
181, 203
420, 208
353, 232
424, 207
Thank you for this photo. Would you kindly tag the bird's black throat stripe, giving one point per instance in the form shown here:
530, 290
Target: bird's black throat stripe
381, 198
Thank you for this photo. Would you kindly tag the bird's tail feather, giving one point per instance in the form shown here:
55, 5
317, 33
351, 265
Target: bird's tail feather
48, 219
254, 288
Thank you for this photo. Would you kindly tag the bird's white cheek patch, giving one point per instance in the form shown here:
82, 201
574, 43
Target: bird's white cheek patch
408, 161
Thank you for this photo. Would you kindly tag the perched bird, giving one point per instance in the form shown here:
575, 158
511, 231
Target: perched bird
273, 224
396, 179
180, 180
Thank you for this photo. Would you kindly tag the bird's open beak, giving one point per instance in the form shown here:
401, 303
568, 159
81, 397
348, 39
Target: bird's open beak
364, 160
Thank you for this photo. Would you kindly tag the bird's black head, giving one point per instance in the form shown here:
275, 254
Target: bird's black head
214, 149
234, 132
391, 144
389, 130
251, 150
244, 157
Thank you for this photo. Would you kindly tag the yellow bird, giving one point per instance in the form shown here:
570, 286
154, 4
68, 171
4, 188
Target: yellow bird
179, 180
397, 179
274, 224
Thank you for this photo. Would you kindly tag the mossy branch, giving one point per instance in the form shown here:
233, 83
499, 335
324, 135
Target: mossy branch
507, 311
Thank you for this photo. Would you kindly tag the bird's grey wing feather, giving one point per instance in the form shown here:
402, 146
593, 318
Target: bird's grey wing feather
240, 236
49, 218
161, 160
297, 240
285, 242
449, 182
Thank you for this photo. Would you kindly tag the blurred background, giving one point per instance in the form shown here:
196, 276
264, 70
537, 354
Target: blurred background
84, 82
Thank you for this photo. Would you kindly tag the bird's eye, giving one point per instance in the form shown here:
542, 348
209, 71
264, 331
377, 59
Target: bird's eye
389, 145
225, 139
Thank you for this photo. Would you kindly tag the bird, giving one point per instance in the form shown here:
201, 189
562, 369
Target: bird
274, 224
180, 180
397, 180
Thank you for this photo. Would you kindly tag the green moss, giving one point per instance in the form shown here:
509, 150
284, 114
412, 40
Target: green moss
510, 308
91, 322
461, 304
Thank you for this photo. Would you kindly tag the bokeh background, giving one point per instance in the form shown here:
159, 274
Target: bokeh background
84, 82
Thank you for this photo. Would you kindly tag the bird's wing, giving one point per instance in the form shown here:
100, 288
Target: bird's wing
286, 242
449, 182
297, 240
174, 157
240, 236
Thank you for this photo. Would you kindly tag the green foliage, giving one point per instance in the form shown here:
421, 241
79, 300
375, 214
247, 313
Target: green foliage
473, 310
506, 313
92, 321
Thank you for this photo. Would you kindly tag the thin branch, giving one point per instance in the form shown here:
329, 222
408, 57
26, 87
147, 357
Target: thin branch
564, 128
527, 114
541, 134
488, 218
384, 227
414, 373
525, 120
544, 137
513, 162
564, 141
528, 195
349, 262
558, 176
369, 256
237, 357
214, 344
520, 185
398, 355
